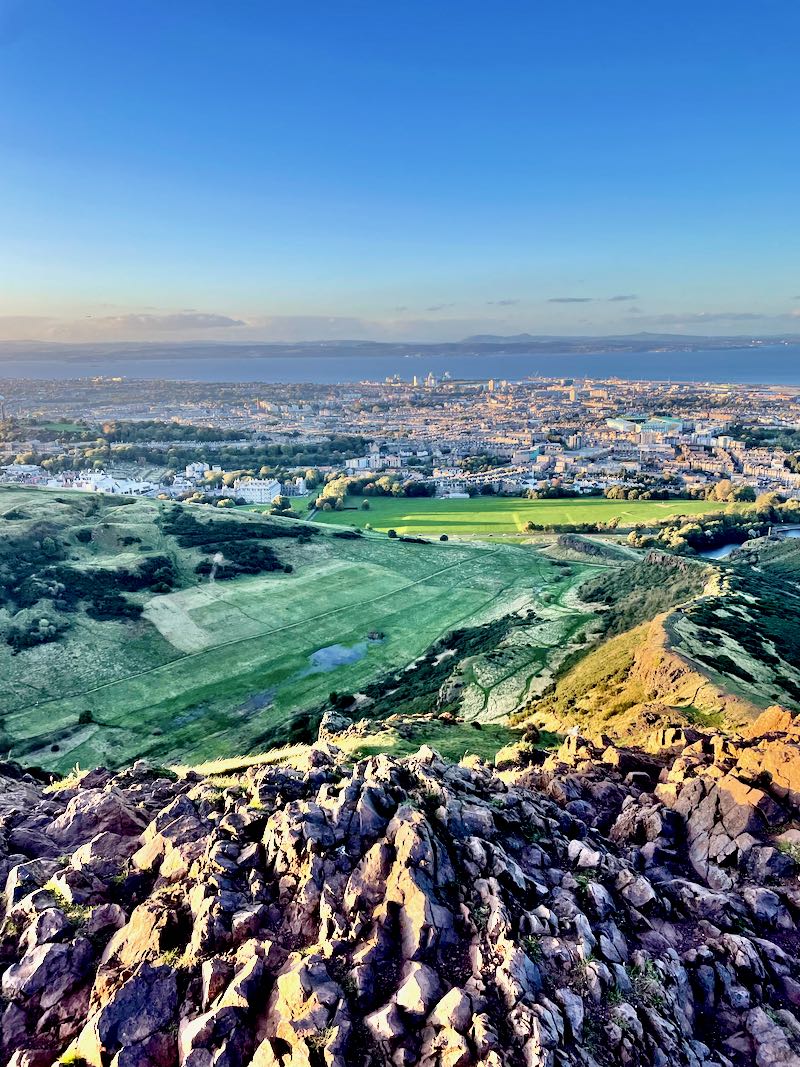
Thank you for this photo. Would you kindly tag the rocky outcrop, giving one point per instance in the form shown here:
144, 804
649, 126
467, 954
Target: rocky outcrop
400, 912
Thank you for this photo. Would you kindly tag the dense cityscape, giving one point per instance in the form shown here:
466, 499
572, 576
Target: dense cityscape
451, 437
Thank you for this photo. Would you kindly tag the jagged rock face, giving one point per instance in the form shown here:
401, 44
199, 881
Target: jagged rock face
396, 912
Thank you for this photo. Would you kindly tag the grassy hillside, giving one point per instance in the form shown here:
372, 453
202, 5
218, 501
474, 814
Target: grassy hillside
744, 633
501, 515
638, 592
727, 648
188, 634
630, 685
597, 689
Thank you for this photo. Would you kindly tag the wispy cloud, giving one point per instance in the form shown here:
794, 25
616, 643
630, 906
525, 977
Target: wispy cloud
622, 296
179, 320
502, 303
570, 300
129, 326
25, 327
439, 307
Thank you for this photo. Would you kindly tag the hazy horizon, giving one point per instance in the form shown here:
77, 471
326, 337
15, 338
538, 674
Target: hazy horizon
485, 338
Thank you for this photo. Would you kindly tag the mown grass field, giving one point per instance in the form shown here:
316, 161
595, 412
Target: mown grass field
488, 515
230, 667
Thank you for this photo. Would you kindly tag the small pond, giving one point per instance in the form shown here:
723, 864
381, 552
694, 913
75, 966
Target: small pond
723, 551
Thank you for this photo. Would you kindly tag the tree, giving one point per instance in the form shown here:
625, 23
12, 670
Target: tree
767, 502
391, 533
443, 537
723, 490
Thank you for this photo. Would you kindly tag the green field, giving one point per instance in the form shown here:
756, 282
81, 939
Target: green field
230, 667
63, 427
501, 515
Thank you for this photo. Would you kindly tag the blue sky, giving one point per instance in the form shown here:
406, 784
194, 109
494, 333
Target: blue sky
402, 170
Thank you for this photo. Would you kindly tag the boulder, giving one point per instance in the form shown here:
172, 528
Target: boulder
419, 989
142, 1007
47, 972
92, 811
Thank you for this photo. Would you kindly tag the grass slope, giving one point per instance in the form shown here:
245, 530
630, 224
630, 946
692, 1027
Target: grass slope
734, 627
217, 668
743, 634
453, 740
639, 591
501, 515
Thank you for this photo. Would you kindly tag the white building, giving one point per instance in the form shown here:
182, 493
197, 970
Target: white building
257, 490
100, 482
360, 463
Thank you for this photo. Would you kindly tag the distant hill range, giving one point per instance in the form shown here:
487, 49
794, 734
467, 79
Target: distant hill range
479, 344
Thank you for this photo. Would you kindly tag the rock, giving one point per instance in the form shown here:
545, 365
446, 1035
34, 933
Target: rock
772, 1044
439, 915
201, 1037
420, 987
91, 812
767, 908
152, 929
385, 1024
143, 1006
573, 1011
774, 720
638, 892
454, 1011
49, 925
104, 854
765, 863
332, 724
105, 917
47, 972
159, 1050
24, 878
